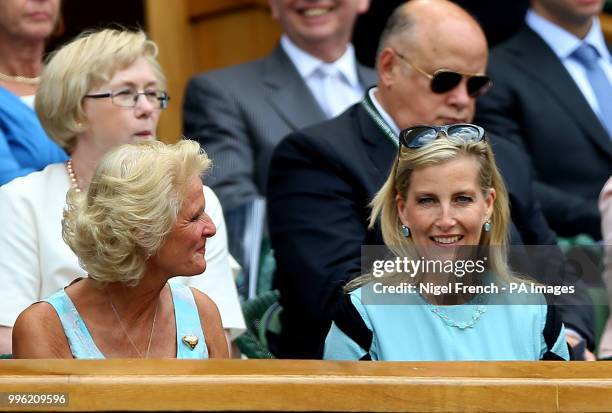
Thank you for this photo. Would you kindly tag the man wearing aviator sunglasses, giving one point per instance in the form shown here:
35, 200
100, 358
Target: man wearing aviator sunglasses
323, 178
444, 80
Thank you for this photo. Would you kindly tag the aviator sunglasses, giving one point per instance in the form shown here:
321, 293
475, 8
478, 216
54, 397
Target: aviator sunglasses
444, 80
419, 136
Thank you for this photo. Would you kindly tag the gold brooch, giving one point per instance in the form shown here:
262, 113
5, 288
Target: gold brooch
190, 340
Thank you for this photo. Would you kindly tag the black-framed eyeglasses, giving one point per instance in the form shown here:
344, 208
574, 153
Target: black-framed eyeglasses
445, 80
128, 98
421, 135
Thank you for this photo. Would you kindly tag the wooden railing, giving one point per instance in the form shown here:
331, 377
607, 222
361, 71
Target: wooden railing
283, 385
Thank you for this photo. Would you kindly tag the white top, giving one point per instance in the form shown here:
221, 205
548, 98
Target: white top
28, 100
335, 86
564, 43
605, 207
35, 262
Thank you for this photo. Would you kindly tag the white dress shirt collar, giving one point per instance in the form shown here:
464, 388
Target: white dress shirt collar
382, 112
306, 64
562, 42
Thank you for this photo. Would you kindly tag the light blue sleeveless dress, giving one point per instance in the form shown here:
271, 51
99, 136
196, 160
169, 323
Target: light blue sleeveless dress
515, 328
186, 314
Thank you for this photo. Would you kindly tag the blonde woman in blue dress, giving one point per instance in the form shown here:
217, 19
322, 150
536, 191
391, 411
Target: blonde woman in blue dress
444, 195
140, 223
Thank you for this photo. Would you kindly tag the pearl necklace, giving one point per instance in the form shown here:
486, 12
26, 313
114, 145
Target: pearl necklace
20, 79
72, 175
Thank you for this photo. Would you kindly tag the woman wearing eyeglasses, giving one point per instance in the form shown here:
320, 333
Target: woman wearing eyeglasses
103, 89
443, 205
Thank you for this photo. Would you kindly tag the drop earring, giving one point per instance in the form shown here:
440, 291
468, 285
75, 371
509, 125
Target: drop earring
487, 225
405, 231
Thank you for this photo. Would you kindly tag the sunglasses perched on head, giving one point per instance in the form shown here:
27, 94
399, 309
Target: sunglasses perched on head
444, 80
419, 136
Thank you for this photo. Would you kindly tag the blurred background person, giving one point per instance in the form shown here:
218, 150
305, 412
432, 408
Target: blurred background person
444, 195
101, 90
553, 97
240, 113
605, 207
140, 223
25, 27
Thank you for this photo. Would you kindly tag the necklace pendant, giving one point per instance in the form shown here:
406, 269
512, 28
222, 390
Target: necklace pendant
191, 341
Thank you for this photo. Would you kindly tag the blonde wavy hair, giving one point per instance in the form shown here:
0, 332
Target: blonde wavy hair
384, 204
80, 66
130, 207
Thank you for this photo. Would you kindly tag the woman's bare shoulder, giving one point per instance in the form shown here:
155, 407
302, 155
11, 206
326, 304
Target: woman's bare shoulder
38, 333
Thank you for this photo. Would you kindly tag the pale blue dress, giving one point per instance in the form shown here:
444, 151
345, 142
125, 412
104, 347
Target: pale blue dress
413, 332
186, 314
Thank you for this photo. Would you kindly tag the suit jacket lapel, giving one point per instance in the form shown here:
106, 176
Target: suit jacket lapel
536, 58
379, 148
289, 95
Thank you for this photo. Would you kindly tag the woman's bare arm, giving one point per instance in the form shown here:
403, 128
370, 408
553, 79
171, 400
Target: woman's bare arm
38, 333
212, 326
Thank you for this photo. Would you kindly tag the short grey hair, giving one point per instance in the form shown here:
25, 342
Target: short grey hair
400, 23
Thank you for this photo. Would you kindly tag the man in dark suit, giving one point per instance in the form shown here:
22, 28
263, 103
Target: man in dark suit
543, 101
323, 178
240, 113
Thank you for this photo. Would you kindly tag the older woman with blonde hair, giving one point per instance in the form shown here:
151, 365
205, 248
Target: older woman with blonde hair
605, 207
103, 89
141, 222
443, 205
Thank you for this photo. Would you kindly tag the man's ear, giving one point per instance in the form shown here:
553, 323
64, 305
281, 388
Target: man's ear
273, 9
385, 65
